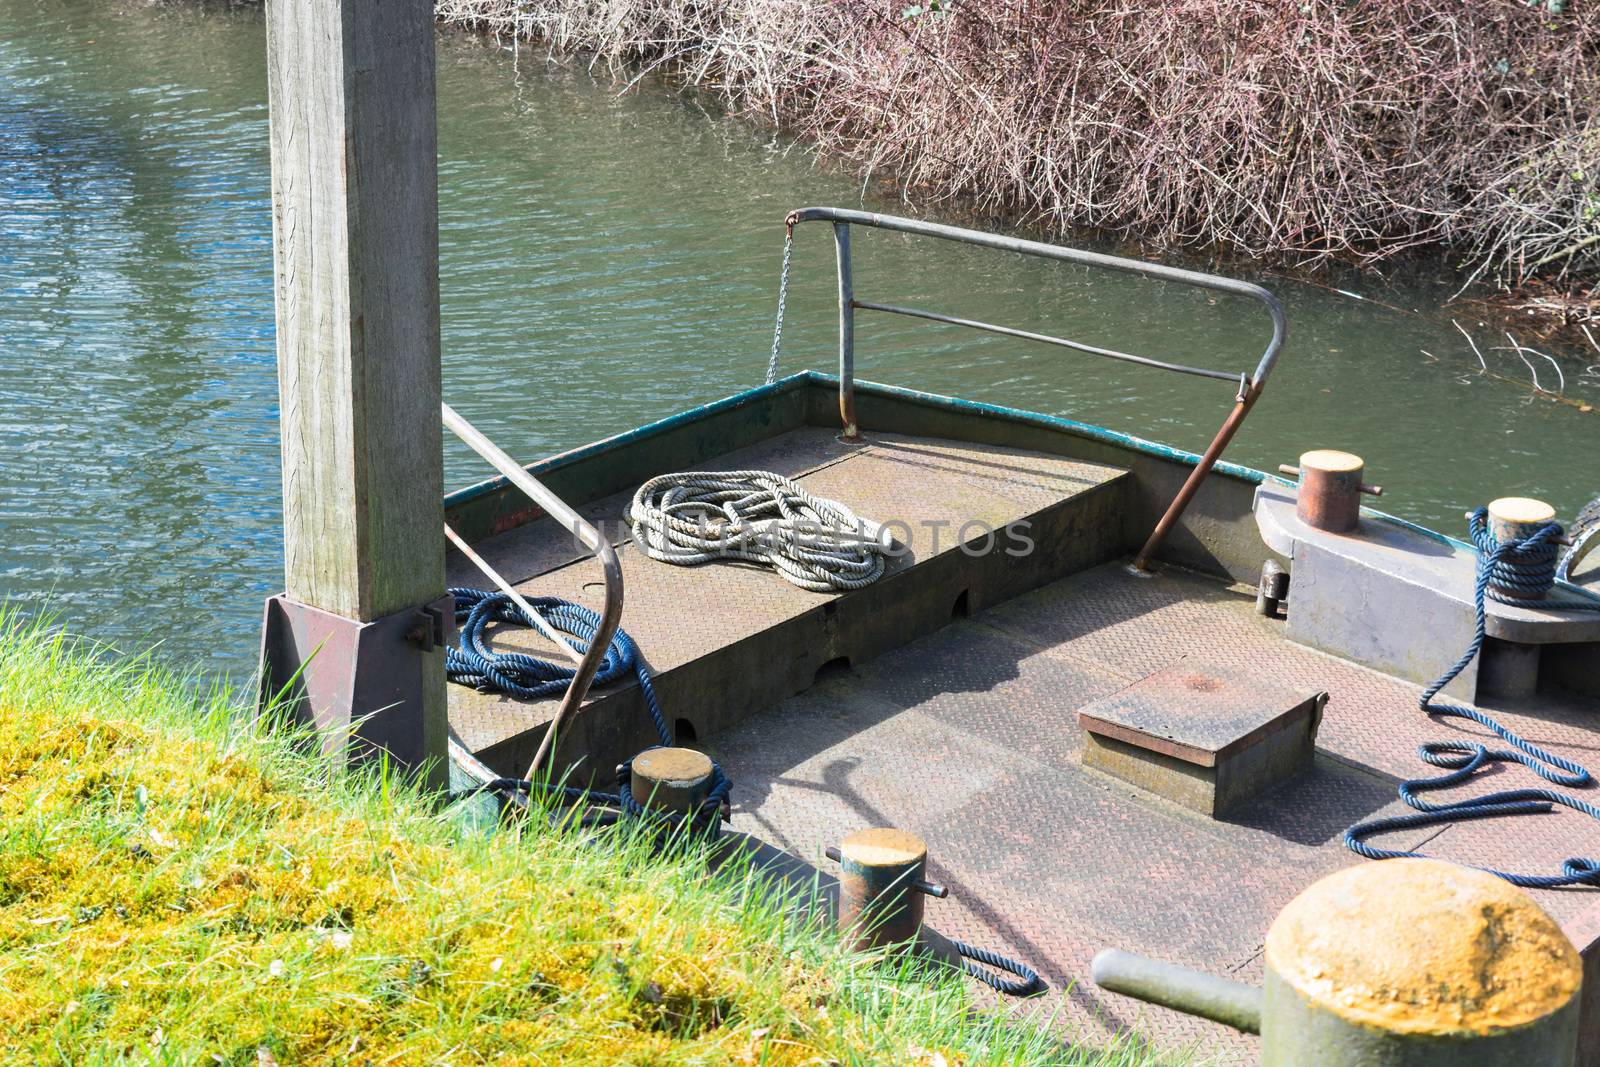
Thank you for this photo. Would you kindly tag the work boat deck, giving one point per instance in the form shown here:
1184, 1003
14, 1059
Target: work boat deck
1096, 759
943, 699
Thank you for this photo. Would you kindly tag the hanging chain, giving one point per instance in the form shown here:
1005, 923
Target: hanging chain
783, 295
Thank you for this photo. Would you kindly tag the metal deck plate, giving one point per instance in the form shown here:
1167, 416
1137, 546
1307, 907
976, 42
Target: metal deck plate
1198, 712
969, 738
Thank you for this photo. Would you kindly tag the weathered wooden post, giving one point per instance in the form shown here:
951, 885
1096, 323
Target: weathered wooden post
364, 615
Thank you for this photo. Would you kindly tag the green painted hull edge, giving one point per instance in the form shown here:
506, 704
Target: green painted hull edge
810, 398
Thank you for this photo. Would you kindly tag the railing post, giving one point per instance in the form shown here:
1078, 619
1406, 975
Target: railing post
847, 332
361, 626
1191, 485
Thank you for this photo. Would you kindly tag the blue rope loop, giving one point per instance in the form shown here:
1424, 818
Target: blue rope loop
529, 677
1027, 984
1527, 566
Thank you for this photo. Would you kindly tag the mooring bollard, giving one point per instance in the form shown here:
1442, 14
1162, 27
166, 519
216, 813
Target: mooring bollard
675, 780
1405, 963
1330, 489
881, 886
1512, 518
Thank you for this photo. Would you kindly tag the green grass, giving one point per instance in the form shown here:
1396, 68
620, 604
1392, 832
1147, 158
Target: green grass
177, 886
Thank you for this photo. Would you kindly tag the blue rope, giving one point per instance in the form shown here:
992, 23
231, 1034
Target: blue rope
1529, 566
530, 678
1028, 981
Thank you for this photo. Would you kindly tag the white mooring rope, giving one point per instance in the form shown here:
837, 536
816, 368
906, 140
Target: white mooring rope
759, 517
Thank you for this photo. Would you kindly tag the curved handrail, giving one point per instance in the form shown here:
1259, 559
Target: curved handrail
610, 614
1233, 286
1250, 384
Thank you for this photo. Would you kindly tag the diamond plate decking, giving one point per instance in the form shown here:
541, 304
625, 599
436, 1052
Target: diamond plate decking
725, 639
969, 737
966, 732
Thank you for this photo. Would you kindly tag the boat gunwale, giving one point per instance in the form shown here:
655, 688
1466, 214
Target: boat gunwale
808, 379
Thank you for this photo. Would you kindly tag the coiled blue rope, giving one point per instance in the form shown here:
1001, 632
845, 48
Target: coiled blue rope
1528, 565
529, 678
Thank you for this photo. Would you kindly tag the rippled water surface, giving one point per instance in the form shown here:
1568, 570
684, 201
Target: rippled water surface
605, 260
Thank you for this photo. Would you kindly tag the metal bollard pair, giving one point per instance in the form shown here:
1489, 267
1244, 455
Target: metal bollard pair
1403, 963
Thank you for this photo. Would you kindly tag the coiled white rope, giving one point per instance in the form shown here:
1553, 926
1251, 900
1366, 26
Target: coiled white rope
759, 517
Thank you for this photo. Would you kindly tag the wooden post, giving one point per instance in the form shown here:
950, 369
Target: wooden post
355, 242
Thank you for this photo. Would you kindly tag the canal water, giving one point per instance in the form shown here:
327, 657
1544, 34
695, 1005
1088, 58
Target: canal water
607, 259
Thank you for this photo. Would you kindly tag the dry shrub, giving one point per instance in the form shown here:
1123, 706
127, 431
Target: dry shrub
1356, 130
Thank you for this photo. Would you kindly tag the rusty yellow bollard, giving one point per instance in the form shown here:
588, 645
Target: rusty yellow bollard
1403, 963
881, 886
1418, 962
671, 779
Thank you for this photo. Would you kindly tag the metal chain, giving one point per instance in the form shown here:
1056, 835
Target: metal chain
783, 295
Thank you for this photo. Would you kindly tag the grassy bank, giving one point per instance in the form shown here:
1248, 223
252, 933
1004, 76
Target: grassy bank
1296, 131
176, 888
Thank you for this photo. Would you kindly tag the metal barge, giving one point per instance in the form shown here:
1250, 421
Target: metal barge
1149, 756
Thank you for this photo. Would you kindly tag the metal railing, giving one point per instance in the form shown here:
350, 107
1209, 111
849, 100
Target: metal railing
1250, 384
588, 662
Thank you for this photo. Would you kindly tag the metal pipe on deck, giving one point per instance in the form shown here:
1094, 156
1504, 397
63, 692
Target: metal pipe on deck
847, 332
1191, 485
1179, 988
591, 538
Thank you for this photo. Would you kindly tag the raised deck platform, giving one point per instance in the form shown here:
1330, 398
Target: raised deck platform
725, 639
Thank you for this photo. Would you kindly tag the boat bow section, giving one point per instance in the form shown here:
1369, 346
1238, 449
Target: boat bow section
973, 524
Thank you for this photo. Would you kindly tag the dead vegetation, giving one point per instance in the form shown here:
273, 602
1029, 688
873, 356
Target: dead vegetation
1296, 131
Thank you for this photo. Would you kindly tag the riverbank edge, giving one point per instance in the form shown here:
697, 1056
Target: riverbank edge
929, 103
179, 883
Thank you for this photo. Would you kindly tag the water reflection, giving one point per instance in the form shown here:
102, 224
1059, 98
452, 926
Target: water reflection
605, 260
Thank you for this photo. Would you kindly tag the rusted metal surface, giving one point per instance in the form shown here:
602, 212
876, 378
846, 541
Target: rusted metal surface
1329, 496
1051, 863
1203, 735
1191, 484
1197, 711
671, 779
881, 886
767, 639
362, 684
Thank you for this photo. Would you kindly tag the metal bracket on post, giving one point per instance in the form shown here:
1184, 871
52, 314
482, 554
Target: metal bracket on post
364, 685
429, 628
